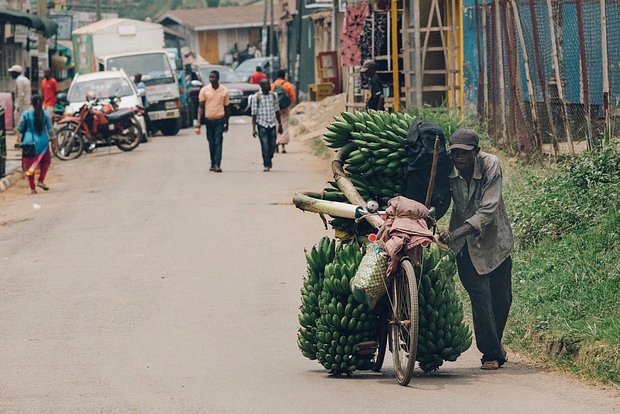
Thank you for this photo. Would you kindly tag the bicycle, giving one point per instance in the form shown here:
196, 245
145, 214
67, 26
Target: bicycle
400, 316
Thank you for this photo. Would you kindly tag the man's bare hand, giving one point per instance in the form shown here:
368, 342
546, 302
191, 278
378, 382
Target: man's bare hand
446, 237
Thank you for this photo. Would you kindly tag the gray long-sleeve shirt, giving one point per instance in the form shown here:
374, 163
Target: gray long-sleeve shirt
480, 204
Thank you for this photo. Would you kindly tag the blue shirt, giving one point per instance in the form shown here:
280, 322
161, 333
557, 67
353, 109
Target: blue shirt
30, 135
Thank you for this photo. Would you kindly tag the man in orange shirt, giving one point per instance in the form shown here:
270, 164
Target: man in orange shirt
49, 88
285, 104
214, 106
258, 76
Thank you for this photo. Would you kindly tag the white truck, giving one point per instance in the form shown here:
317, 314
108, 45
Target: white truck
136, 47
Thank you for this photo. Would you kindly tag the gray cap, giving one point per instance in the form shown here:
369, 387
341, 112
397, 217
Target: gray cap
465, 139
368, 64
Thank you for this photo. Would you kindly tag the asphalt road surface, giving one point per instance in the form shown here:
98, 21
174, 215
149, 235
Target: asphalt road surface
143, 283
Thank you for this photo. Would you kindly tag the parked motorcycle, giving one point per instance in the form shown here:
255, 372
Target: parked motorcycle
97, 122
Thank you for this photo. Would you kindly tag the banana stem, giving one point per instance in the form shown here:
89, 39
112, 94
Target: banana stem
347, 187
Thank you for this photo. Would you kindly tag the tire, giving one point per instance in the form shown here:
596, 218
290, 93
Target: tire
69, 145
404, 321
170, 127
382, 338
130, 140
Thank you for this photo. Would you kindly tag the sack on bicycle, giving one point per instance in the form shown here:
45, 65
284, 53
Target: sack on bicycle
368, 285
403, 231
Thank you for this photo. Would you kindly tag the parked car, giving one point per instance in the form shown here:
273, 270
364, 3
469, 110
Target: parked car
104, 84
239, 91
248, 67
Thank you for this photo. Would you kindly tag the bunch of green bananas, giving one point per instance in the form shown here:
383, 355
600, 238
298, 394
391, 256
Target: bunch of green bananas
377, 166
442, 335
317, 257
344, 323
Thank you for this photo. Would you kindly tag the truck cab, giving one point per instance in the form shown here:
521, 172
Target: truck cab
162, 90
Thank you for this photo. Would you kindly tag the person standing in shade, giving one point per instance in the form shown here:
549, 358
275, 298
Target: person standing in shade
35, 125
23, 92
49, 88
376, 100
265, 113
258, 76
214, 106
141, 87
285, 105
481, 237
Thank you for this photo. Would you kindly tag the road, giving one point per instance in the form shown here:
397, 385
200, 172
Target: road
144, 283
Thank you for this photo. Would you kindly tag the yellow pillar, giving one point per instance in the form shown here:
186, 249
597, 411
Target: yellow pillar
394, 35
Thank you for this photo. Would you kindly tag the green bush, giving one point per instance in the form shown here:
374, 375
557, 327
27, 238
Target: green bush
566, 278
578, 194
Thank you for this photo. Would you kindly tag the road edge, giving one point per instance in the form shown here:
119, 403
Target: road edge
10, 179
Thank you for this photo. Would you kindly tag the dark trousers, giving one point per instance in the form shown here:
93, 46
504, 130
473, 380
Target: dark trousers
215, 136
267, 137
491, 297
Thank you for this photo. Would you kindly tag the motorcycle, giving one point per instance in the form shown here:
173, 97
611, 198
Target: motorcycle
97, 122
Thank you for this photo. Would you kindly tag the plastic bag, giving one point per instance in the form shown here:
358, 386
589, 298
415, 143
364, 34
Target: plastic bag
368, 285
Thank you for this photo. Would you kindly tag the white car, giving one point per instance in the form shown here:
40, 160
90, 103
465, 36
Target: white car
104, 84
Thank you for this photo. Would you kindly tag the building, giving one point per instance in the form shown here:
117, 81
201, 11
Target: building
213, 32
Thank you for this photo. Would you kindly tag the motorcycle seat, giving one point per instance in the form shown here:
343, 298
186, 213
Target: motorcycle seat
119, 115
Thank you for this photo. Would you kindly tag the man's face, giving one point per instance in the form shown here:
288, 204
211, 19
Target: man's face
47, 75
14, 75
214, 79
464, 160
264, 86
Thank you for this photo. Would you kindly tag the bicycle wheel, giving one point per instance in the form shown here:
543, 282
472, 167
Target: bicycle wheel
382, 338
404, 321
69, 145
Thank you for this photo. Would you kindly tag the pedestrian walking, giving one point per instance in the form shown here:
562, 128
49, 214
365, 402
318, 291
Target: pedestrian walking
141, 87
214, 106
258, 76
376, 100
49, 88
265, 113
35, 125
23, 92
286, 98
481, 236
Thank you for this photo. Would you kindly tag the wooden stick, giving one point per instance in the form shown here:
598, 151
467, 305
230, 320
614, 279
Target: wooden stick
584, 72
528, 78
605, 64
541, 77
558, 78
431, 182
500, 60
485, 73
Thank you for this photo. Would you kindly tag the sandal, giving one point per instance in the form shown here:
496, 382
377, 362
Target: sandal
43, 186
490, 365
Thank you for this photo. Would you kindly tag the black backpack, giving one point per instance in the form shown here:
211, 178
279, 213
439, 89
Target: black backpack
420, 146
284, 101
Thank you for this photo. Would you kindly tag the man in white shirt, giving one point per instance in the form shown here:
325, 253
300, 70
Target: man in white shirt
23, 92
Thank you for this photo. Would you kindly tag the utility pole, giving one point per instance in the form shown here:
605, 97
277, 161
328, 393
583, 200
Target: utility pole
42, 12
300, 5
272, 38
98, 9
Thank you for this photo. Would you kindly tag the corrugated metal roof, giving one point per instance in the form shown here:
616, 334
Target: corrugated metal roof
106, 23
217, 18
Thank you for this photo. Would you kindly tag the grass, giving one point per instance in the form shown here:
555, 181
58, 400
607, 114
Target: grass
566, 276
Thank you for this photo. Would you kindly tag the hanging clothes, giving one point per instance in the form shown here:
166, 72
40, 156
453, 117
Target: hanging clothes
355, 16
380, 35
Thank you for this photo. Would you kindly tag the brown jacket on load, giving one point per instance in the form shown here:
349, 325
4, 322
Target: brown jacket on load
404, 229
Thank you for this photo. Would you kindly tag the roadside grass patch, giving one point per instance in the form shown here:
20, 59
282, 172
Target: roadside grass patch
566, 277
